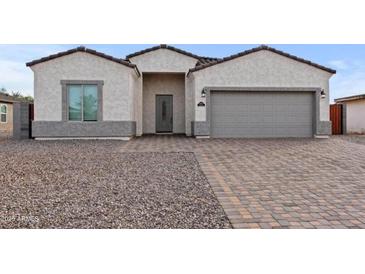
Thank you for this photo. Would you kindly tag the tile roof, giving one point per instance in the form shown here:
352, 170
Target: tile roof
206, 60
87, 50
5, 98
202, 62
350, 98
263, 47
164, 46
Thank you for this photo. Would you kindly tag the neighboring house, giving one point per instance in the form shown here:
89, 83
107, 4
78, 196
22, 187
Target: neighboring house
6, 115
353, 114
261, 92
14, 117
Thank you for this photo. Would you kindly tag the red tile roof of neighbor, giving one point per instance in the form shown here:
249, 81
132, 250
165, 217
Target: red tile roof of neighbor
350, 98
263, 47
202, 62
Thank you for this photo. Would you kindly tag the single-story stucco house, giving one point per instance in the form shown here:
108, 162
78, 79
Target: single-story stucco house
6, 115
262, 92
353, 113
14, 117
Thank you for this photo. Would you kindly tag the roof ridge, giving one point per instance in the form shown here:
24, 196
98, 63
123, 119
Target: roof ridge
9, 98
83, 49
165, 46
350, 98
259, 48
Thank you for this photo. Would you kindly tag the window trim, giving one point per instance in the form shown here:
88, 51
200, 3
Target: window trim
65, 83
6, 113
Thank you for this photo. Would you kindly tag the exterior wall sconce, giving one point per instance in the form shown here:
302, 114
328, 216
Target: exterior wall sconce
204, 93
323, 95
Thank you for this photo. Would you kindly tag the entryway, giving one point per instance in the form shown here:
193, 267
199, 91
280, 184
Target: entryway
163, 103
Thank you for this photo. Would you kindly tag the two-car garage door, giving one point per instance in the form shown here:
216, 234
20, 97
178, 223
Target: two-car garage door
252, 114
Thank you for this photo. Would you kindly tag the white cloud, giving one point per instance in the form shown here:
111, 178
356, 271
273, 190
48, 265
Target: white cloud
349, 82
15, 76
26, 53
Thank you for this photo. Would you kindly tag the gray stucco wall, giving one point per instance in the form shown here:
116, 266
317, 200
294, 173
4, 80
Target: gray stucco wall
261, 69
137, 93
189, 104
52, 129
160, 84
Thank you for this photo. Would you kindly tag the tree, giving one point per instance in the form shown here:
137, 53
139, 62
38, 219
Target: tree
3, 91
29, 99
17, 95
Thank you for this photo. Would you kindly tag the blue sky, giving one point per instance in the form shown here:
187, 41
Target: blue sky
348, 60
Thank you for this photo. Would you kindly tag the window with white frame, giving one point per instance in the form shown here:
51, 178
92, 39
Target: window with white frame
82, 102
3, 113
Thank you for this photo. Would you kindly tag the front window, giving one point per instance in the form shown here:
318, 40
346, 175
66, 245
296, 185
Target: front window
82, 102
3, 113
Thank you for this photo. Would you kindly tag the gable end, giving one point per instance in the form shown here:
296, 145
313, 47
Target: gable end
263, 47
86, 50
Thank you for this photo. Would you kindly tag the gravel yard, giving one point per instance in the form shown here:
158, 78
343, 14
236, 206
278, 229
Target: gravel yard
93, 184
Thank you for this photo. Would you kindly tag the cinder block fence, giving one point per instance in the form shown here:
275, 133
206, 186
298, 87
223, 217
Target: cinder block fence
22, 120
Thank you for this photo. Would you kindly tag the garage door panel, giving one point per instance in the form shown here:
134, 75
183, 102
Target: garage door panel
284, 131
292, 98
295, 109
261, 114
251, 132
288, 118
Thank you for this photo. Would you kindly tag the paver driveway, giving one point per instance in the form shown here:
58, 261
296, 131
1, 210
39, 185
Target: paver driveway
278, 183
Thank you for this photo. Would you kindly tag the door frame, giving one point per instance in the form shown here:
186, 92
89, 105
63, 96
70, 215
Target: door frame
172, 113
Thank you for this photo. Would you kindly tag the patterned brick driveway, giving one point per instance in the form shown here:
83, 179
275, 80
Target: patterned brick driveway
278, 183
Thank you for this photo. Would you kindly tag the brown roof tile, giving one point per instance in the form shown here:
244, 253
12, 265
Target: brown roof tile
206, 60
263, 47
